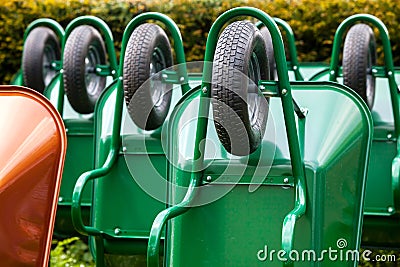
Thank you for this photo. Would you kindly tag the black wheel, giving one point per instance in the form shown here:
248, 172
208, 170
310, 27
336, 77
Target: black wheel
273, 75
83, 50
240, 111
41, 49
147, 53
359, 55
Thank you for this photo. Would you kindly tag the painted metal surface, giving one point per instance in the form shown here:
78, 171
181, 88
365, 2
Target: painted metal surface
387, 50
80, 129
335, 173
229, 230
294, 63
33, 145
17, 79
288, 109
381, 223
117, 196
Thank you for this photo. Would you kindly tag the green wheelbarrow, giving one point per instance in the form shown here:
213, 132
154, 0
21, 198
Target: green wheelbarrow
255, 190
41, 54
87, 65
74, 73
378, 87
130, 113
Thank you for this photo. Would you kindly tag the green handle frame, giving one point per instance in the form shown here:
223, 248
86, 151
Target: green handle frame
387, 50
294, 63
115, 138
389, 73
103, 28
284, 90
109, 42
45, 22
175, 34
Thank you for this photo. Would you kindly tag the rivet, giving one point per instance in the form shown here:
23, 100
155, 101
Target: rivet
66, 130
208, 178
374, 71
60, 199
117, 231
286, 180
120, 78
332, 72
262, 87
98, 69
165, 76
204, 89
294, 67
390, 209
389, 136
62, 71
284, 91
113, 72
390, 73
124, 149
182, 79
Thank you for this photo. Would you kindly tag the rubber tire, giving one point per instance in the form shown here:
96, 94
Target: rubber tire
359, 55
82, 41
33, 55
234, 50
145, 40
273, 75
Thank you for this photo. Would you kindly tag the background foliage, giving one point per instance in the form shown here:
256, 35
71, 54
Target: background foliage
71, 252
313, 21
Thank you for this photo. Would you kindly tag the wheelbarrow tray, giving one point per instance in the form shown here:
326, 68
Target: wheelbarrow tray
121, 209
381, 225
234, 228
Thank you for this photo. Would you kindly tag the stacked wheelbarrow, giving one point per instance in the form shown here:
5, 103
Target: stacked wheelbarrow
129, 141
378, 87
293, 180
71, 69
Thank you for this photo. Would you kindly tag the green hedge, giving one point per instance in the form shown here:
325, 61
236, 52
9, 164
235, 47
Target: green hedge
15, 16
313, 21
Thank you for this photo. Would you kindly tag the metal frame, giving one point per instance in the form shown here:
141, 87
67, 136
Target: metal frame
45, 22
115, 146
293, 63
109, 42
284, 92
388, 71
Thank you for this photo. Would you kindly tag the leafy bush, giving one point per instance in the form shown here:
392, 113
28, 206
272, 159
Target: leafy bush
15, 16
71, 252
314, 22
